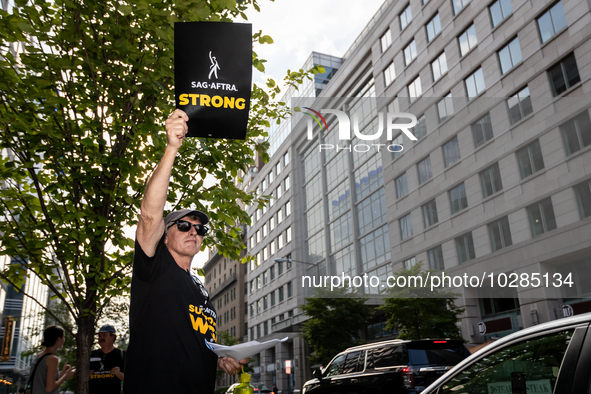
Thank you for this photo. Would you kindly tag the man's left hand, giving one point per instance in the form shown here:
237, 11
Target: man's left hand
231, 366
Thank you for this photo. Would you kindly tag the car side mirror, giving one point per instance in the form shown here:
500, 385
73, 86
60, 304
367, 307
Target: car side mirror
317, 374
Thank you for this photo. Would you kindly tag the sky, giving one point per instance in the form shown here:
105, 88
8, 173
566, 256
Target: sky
299, 27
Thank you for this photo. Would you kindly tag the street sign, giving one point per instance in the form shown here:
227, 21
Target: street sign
7, 341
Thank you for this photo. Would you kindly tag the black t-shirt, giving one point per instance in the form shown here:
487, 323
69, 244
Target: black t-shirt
169, 321
103, 381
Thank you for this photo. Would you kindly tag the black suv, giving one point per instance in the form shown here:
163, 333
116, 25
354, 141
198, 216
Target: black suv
387, 367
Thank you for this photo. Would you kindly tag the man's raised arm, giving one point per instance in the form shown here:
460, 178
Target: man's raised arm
151, 224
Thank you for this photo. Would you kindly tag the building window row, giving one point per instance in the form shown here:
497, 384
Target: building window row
549, 24
271, 299
270, 225
541, 219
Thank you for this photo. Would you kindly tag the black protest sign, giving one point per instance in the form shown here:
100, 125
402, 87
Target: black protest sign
213, 73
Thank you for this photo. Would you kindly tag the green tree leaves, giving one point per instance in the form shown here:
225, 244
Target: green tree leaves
418, 313
334, 324
82, 118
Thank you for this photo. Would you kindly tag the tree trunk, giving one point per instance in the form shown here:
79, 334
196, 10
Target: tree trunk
84, 340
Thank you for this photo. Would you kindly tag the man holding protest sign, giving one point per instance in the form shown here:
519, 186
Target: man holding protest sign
171, 317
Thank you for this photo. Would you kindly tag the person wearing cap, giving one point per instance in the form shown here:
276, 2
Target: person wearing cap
171, 317
107, 364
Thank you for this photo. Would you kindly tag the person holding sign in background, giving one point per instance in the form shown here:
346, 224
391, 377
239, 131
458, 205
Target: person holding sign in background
171, 316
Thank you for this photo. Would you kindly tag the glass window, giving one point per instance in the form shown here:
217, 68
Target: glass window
258, 236
386, 40
424, 169
527, 366
272, 246
289, 290
482, 130
491, 180
530, 159
499, 10
510, 55
564, 75
436, 258
405, 17
286, 158
371, 213
410, 52
405, 227
389, 74
458, 199
433, 28
552, 22
420, 130
272, 223
451, 152
279, 216
430, 213
281, 297
439, 67
375, 249
279, 191
390, 356
541, 217
272, 272
280, 242
265, 230
583, 193
288, 235
576, 133
520, 105
500, 234
475, 83
408, 264
445, 108
273, 299
459, 5
415, 89
335, 366
287, 183
401, 186
288, 208
397, 148
467, 40
278, 167
465, 248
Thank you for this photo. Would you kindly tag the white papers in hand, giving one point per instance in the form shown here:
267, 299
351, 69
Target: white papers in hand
243, 350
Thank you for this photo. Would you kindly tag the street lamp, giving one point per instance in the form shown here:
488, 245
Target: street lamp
284, 260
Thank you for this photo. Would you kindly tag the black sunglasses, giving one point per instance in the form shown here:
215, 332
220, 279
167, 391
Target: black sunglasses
184, 226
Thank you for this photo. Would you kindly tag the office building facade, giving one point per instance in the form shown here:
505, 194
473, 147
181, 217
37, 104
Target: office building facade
498, 181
